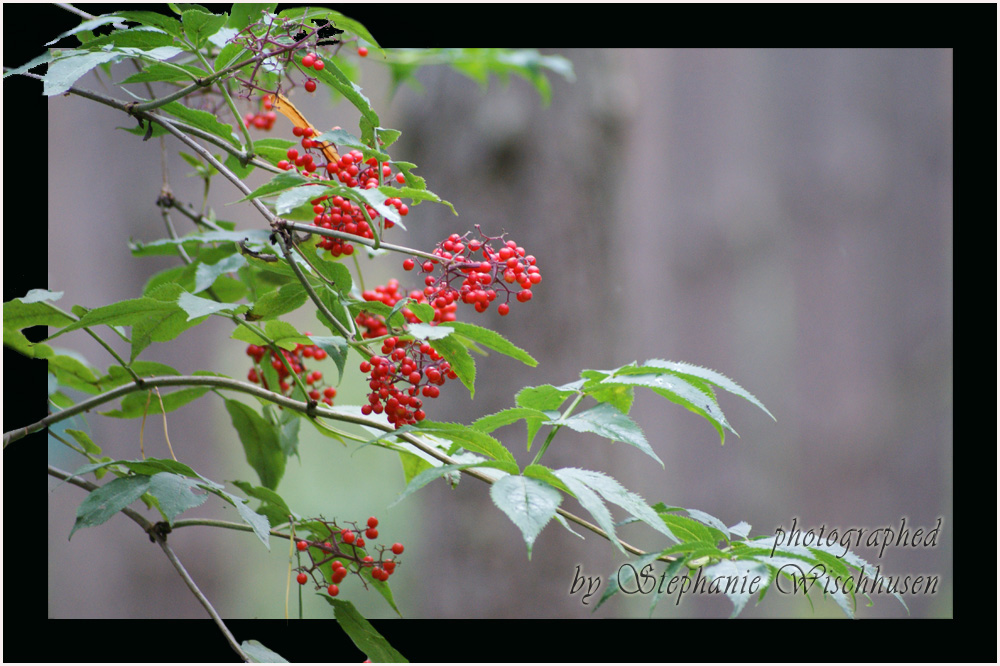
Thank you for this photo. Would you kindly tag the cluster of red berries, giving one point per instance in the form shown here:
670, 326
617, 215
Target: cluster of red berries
318, 391
483, 271
311, 60
351, 169
340, 214
346, 545
413, 368
264, 118
389, 294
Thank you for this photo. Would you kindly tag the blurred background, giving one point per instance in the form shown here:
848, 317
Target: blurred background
781, 216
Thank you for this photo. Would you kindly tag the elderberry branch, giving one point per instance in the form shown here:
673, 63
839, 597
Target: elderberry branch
343, 235
149, 528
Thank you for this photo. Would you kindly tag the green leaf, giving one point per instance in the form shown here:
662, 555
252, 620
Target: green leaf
168, 24
122, 313
19, 314
73, 373
199, 26
282, 333
258, 653
281, 301
459, 358
65, 70
202, 120
492, 340
337, 273
175, 494
229, 54
528, 502
607, 421
543, 398
688, 529
272, 149
31, 64
244, 13
207, 274
161, 325
196, 307
336, 349
465, 437
135, 404
621, 396
260, 525
273, 506
689, 371
132, 41
676, 390
100, 505
508, 416
614, 492
85, 441
363, 634
261, 443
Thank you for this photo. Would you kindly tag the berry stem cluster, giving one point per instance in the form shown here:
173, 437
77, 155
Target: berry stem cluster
342, 551
483, 272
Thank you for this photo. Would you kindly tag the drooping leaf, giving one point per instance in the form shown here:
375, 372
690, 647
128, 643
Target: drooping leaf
175, 494
282, 333
689, 371
363, 634
101, 504
612, 491
460, 360
607, 421
261, 443
528, 502
283, 300
199, 25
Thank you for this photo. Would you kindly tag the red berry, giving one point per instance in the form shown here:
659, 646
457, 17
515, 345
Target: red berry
310, 86
371, 533
318, 66
503, 308
409, 264
302, 578
333, 590
347, 536
301, 545
397, 548
373, 521
363, 51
